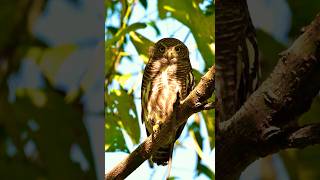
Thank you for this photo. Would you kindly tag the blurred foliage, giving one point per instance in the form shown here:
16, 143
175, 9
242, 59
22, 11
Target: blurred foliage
302, 14
300, 164
52, 127
121, 113
39, 125
270, 49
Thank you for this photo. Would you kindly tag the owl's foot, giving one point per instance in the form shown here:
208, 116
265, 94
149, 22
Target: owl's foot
156, 127
271, 132
205, 105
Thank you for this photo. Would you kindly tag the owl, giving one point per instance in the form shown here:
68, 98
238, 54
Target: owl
237, 57
167, 78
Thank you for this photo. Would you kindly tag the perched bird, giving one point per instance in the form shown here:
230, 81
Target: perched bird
167, 78
237, 58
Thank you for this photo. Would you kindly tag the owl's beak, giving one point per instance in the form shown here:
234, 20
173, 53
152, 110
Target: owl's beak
170, 53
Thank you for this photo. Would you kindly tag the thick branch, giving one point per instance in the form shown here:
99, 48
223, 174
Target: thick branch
304, 136
195, 102
260, 125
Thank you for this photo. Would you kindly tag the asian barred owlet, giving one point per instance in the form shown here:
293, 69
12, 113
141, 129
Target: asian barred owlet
167, 75
237, 61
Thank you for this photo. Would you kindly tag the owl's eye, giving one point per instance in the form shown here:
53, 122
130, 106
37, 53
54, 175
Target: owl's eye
177, 49
161, 49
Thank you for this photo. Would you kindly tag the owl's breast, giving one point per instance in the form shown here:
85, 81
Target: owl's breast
165, 87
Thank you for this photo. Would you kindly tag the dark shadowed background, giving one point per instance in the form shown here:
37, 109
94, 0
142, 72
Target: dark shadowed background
278, 23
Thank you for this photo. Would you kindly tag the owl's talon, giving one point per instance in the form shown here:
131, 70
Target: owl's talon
198, 104
156, 127
271, 132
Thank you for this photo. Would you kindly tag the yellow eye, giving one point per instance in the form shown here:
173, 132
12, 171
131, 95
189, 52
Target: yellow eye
161, 49
177, 49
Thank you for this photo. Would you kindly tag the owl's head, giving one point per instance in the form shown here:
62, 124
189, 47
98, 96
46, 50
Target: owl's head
170, 49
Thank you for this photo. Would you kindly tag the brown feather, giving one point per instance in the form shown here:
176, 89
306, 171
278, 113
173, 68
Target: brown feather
168, 74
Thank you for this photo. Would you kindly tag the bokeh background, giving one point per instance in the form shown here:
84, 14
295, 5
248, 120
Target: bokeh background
131, 27
51, 89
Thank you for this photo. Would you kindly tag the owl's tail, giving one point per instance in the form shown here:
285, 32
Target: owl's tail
162, 156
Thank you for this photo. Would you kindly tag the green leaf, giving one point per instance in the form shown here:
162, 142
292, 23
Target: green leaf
144, 3
194, 130
209, 119
142, 45
114, 140
205, 170
122, 79
123, 110
113, 30
197, 75
201, 25
172, 178
155, 27
123, 31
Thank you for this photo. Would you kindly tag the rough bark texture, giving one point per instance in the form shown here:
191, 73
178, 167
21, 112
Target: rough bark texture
267, 122
196, 101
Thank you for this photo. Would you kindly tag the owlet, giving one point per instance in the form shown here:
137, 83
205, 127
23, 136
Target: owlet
167, 75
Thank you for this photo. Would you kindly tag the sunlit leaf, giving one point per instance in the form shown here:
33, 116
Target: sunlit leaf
123, 32
201, 25
122, 79
142, 45
114, 140
124, 112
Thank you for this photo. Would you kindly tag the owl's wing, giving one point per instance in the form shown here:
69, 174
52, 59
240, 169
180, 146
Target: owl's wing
190, 84
146, 89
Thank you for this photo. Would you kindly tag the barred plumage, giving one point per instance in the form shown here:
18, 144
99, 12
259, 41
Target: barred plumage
168, 74
237, 61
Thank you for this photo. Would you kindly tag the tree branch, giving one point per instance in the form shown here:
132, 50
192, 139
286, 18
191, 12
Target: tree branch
196, 101
304, 136
261, 126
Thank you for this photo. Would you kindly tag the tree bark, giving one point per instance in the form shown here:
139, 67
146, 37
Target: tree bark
267, 122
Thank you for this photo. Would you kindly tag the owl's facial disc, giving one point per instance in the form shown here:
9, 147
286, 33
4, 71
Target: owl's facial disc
172, 53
